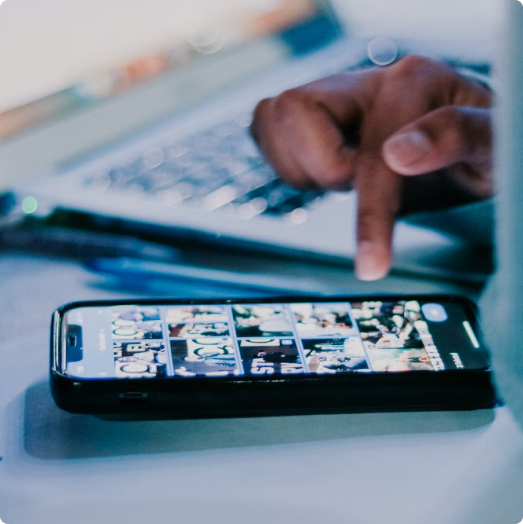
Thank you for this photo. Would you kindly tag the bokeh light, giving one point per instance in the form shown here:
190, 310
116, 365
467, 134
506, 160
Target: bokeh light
29, 205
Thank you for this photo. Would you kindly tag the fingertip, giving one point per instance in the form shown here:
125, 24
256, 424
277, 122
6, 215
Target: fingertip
372, 261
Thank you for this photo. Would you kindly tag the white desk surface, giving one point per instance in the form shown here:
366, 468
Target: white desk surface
441, 468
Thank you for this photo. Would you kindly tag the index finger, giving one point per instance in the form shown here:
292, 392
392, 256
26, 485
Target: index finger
378, 187
379, 199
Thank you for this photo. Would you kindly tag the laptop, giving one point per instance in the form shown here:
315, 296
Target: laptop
192, 171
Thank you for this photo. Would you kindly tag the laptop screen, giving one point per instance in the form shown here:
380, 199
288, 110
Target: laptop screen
248, 40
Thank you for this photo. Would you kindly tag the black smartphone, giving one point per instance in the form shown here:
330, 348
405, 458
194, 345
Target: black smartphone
216, 358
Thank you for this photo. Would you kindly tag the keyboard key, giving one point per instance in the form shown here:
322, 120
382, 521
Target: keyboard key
170, 197
100, 182
253, 208
153, 158
297, 216
220, 197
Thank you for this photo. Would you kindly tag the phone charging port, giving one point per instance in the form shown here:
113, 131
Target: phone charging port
133, 397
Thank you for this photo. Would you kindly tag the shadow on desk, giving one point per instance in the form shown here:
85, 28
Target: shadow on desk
53, 434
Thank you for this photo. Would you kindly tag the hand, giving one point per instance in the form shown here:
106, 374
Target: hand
374, 130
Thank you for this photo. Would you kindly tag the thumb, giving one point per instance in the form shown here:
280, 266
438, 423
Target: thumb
442, 138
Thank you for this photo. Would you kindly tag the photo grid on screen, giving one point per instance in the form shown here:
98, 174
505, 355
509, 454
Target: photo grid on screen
271, 339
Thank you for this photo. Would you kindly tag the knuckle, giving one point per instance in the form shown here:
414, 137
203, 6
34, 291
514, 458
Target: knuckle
260, 116
289, 101
261, 107
414, 64
292, 96
261, 110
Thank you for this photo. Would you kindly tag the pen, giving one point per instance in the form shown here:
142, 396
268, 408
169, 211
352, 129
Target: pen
146, 274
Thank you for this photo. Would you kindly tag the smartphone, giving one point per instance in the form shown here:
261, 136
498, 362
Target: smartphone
218, 358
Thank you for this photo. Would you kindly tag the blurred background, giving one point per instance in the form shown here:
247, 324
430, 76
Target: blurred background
97, 81
49, 46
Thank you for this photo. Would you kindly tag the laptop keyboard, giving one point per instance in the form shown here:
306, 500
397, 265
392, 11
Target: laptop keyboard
220, 169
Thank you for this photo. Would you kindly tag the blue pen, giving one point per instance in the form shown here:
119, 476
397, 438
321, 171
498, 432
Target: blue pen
148, 274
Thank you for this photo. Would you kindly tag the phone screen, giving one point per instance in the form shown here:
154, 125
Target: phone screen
268, 339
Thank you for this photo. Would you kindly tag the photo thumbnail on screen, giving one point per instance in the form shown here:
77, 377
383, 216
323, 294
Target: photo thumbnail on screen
205, 314
391, 335
270, 355
271, 320
323, 319
337, 355
204, 357
136, 322
217, 329
140, 359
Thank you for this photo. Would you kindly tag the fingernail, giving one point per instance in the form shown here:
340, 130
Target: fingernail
372, 261
407, 148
